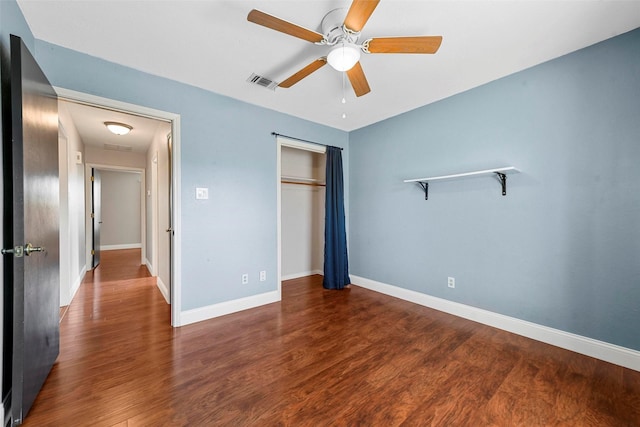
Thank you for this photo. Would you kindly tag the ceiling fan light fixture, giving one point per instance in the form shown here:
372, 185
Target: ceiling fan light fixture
118, 128
344, 56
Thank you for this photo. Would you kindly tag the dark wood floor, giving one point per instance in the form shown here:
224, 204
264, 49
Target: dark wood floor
318, 358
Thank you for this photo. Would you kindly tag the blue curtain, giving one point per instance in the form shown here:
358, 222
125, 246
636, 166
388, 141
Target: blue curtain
336, 263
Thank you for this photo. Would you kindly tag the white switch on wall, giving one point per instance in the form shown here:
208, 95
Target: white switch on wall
202, 193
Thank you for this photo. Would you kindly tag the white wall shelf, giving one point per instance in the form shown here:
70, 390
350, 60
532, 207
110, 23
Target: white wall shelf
500, 173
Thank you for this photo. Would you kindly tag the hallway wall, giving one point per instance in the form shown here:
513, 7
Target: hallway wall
72, 209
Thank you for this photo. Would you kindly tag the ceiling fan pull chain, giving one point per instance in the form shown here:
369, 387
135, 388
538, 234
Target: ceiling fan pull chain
344, 99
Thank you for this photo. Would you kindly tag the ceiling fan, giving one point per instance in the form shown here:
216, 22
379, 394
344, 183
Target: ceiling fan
342, 36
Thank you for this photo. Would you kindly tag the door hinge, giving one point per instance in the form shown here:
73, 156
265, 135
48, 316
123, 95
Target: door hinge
93, 252
92, 215
91, 178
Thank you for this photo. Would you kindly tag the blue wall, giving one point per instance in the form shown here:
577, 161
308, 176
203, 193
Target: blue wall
562, 249
227, 146
11, 22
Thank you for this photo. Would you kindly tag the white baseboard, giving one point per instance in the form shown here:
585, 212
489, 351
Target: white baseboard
78, 282
599, 349
302, 274
117, 247
164, 289
149, 267
228, 307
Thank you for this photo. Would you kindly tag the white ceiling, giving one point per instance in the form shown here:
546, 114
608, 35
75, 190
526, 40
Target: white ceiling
210, 44
89, 122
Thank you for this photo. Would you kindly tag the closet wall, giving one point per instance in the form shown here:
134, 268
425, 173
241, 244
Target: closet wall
303, 176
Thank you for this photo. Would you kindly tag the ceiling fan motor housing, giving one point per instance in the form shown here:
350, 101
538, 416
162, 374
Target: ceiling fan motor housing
333, 28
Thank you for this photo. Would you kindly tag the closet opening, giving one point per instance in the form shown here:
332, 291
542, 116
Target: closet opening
301, 209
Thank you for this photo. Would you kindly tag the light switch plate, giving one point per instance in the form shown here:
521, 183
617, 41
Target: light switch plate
202, 193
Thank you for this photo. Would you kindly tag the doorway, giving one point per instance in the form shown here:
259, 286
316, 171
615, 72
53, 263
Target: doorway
301, 197
116, 209
159, 172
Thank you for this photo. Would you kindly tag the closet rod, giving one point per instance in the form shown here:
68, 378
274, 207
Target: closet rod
303, 140
312, 184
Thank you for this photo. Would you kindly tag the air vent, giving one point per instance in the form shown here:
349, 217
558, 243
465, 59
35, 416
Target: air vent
115, 147
262, 81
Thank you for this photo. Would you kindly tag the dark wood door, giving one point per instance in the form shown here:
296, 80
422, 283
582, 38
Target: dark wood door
96, 215
33, 228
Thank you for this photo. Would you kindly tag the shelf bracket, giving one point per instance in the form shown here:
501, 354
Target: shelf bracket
503, 180
425, 187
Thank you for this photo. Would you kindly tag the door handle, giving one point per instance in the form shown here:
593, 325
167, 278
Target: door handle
20, 251
17, 252
30, 248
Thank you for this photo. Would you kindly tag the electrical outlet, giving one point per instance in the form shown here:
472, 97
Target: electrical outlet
263, 276
245, 278
451, 282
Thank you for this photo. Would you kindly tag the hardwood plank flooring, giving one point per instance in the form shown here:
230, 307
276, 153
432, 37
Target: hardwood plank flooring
318, 358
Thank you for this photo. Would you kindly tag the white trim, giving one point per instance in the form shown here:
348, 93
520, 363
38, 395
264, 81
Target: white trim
122, 246
279, 213
149, 266
176, 172
77, 283
153, 203
228, 307
611, 353
176, 241
286, 142
303, 274
164, 290
99, 101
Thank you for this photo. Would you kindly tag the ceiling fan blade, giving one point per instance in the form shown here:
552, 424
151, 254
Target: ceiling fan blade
420, 44
270, 21
358, 80
315, 65
359, 14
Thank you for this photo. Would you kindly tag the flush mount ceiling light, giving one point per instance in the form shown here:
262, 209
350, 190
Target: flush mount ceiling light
118, 128
344, 56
